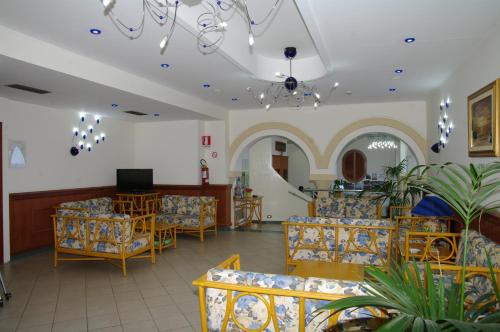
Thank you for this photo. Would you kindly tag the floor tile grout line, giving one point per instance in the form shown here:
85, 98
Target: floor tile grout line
26, 304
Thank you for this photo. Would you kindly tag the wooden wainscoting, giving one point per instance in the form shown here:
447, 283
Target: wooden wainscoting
221, 192
30, 223
31, 226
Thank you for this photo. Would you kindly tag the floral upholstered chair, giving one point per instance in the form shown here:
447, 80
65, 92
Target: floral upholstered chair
345, 207
194, 215
253, 301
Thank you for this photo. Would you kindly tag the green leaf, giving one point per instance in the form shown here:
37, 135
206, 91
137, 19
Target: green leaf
400, 323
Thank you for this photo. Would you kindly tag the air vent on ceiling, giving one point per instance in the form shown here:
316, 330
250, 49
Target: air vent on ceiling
27, 88
135, 113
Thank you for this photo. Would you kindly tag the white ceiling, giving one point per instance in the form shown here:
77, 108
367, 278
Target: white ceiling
359, 42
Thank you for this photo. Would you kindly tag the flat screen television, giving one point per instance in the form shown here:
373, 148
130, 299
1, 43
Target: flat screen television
134, 180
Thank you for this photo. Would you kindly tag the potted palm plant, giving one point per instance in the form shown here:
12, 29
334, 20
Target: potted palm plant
471, 191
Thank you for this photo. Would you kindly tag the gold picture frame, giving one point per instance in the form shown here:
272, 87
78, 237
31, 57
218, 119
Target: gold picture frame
483, 110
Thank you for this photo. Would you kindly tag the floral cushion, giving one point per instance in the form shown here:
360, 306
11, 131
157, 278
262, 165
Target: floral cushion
175, 204
139, 241
100, 205
110, 231
361, 207
432, 225
75, 205
71, 228
315, 321
183, 220
330, 207
249, 310
323, 240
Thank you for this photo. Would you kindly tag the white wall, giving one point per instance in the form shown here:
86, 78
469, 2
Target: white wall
218, 165
171, 149
480, 70
47, 135
264, 181
298, 167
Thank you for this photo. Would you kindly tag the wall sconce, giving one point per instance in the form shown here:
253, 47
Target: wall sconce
82, 139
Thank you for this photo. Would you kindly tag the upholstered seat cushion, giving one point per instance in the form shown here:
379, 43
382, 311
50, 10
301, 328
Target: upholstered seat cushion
100, 205
139, 241
360, 207
249, 310
182, 220
318, 243
330, 207
315, 321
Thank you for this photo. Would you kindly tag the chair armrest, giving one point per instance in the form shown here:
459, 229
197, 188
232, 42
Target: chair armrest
427, 246
208, 209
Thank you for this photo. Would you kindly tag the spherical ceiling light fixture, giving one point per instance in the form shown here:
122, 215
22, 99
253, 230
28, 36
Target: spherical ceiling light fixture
291, 91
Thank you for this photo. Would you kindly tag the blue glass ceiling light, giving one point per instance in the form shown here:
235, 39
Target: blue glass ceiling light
165, 65
95, 31
398, 71
114, 105
409, 40
392, 89
234, 99
157, 114
206, 85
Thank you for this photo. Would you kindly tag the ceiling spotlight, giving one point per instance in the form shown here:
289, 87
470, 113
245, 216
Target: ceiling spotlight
114, 105
268, 107
234, 99
398, 71
348, 92
75, 131
164, 65
251, 40
82, 116
336, 85
262, 95
95, 31
409, 40
206, 86
156, 114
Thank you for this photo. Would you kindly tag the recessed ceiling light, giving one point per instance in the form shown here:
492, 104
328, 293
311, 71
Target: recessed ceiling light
392, 89
165, 65
398, 71
95, 31
348, 92
409, 40
114, 105
157, 114
234, 99
206, 85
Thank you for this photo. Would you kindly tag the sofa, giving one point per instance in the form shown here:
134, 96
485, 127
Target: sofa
104, 205
444, 251
342, 240
102, 236
345, 207
193, 215
234, 300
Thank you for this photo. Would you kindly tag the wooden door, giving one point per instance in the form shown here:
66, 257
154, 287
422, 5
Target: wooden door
354, 166
280, 165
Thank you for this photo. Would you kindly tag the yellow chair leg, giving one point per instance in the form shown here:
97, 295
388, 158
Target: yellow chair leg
202, 233
55, 258
124, 267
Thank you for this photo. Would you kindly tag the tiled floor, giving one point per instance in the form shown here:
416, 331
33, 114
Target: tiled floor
94, 296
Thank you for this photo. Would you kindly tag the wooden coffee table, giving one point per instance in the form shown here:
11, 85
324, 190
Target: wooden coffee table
329, 270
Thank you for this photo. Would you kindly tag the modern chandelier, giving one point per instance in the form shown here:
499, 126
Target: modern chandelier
86, 133
382, 143
211, 24
290, 91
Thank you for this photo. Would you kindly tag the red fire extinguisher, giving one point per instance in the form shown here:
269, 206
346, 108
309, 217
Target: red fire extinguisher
204, 172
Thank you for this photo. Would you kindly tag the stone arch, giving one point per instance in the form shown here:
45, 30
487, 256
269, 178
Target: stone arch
416, 142
262, 130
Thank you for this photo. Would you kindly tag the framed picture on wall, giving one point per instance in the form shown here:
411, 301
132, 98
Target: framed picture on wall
483, 117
